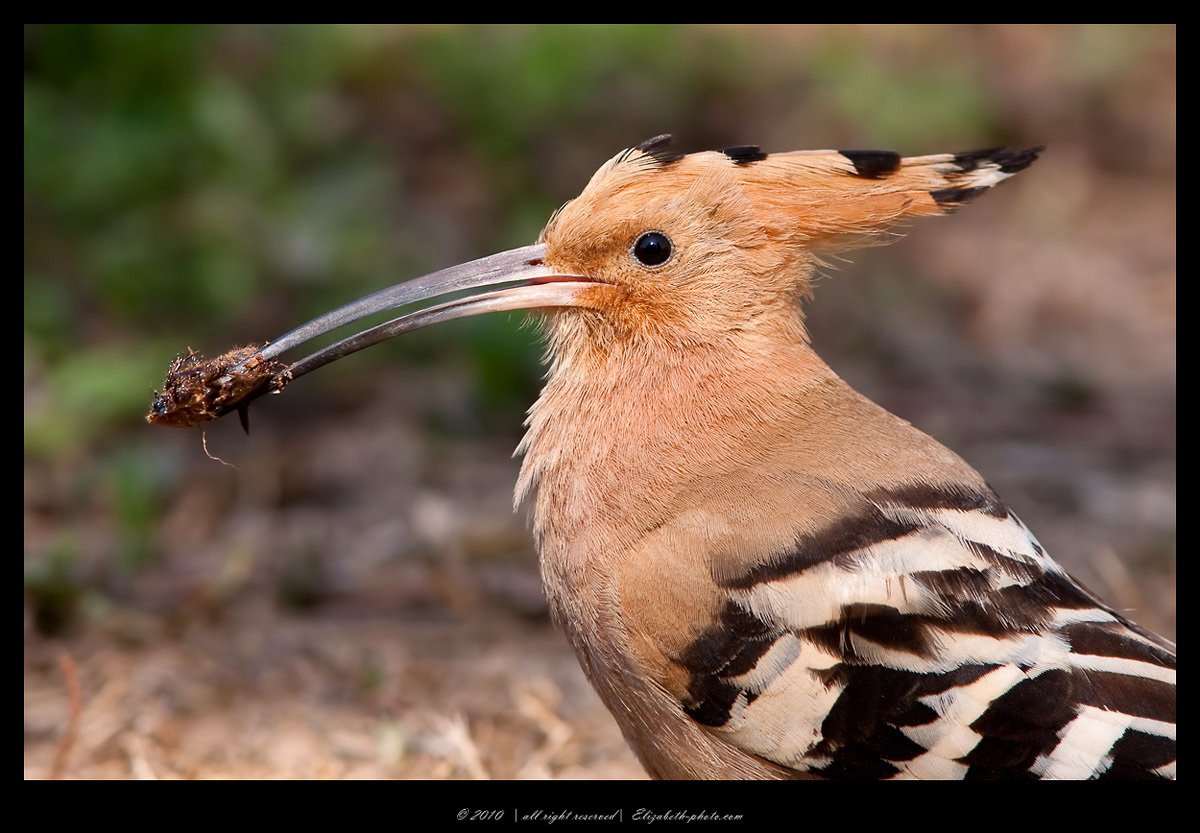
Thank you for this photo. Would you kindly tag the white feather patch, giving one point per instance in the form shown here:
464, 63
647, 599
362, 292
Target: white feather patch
1069, 616
1007, 535
1083, 751
785, 651
930, 768
951, 736
784, 722
953, 650
1120, 665
881, 574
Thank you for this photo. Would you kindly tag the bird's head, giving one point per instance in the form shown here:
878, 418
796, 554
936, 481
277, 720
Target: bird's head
671, 250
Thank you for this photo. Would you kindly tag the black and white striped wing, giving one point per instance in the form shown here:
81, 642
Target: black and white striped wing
931, 637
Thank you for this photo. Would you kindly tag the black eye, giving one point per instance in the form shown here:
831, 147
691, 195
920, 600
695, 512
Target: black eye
652, 249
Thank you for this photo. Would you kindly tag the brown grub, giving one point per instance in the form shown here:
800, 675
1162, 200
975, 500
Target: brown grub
199, 390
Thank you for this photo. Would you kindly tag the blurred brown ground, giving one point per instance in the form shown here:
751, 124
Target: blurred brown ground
357, 598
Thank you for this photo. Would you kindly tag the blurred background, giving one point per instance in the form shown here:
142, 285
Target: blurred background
356, 597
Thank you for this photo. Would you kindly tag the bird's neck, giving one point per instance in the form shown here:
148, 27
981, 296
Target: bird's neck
619, 436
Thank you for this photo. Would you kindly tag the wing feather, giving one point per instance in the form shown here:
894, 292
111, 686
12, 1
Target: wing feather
929, 635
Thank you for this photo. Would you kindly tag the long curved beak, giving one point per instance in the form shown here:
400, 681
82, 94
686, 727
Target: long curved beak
528, 284
199, 390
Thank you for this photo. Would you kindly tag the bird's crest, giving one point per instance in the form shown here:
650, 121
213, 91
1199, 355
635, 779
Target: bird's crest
825, 198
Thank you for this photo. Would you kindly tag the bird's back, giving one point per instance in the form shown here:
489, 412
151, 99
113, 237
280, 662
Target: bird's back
858, 603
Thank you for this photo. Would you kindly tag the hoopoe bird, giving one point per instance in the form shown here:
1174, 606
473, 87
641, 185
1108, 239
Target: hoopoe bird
763, 573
